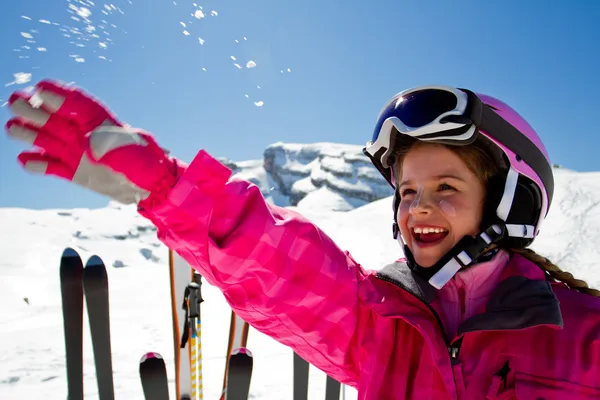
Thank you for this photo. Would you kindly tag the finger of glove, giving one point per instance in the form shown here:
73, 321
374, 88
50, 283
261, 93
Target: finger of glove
40, 162
73, 103
20, 105
43, 116
20, 129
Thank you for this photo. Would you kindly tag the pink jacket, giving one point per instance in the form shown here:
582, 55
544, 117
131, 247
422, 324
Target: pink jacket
498, 331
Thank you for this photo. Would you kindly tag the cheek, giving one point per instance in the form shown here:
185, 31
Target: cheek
403, 209
458, 206
463, 214
402, 218
447, 208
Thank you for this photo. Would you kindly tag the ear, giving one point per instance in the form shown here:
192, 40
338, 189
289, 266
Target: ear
525, 208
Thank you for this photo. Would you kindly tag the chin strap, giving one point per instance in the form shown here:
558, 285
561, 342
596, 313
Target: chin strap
466, 252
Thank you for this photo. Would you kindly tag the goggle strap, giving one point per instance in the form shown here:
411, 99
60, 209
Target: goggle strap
502, 131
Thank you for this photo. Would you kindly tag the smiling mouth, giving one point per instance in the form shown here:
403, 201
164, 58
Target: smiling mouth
427, 237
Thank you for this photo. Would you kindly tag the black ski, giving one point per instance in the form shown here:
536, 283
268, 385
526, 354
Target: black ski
153, 375
332, 389
301, 368
95, 286
239, 374
71, 274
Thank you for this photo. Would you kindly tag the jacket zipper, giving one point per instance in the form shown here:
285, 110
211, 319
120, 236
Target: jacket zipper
453, 347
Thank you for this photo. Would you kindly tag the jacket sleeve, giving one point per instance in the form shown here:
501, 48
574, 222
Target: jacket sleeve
276, 269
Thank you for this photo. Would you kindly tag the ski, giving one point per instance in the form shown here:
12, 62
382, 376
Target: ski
153, 375
71, 275
239, 374
301, 373
238, 339
332, 389
301, 368
95, 287
181, 274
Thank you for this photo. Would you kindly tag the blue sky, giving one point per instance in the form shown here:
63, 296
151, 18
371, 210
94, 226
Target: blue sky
346, 58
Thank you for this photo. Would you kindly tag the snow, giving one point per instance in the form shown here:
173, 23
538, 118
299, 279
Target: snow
79, 27
90, 27
31, 335
326, 198
20, 78
83, 12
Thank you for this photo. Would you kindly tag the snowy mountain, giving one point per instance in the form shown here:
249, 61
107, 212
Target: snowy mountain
332, 176
31, 243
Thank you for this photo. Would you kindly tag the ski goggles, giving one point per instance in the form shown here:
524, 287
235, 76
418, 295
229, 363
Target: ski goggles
446, 115
429, 113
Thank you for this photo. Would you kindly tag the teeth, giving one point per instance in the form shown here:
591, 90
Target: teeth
429, 230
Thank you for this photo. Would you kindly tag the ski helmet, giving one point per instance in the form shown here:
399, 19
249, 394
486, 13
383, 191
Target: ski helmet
518, 201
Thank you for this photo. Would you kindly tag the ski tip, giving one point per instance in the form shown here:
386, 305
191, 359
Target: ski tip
150, 355
69, 252
241, 350
94, 260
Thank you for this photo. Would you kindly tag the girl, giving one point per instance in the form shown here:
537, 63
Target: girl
471, 313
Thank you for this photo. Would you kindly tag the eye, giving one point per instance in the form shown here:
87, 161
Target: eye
445, 186
406, 192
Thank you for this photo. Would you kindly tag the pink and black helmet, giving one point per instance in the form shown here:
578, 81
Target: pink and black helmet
518, 201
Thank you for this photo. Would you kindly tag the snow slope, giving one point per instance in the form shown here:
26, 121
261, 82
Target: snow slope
31, 242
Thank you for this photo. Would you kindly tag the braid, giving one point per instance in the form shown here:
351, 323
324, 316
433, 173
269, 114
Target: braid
556, 273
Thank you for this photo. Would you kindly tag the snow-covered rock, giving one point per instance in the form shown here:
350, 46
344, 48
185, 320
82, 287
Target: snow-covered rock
293, 174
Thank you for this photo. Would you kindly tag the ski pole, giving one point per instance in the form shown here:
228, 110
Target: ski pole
194, 300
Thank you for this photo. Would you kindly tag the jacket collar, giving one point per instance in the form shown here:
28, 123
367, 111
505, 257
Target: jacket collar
524, 298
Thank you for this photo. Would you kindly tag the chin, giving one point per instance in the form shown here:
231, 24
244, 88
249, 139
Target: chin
427, 256
426, 262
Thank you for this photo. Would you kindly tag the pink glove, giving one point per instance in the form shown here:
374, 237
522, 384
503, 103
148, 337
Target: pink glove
80, 140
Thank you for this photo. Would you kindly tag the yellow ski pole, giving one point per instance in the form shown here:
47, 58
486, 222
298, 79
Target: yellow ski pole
195, 324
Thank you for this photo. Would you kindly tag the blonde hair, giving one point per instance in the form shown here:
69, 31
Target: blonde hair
481, 160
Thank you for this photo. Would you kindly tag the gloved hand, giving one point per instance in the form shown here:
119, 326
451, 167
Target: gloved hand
80, 140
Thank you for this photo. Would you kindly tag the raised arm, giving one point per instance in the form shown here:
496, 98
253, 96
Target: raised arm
277, 270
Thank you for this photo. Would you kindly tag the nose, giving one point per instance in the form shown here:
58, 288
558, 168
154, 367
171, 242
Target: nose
421, 205
420, 210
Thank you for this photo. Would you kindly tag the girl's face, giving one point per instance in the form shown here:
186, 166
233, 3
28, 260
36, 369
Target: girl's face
441, 202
